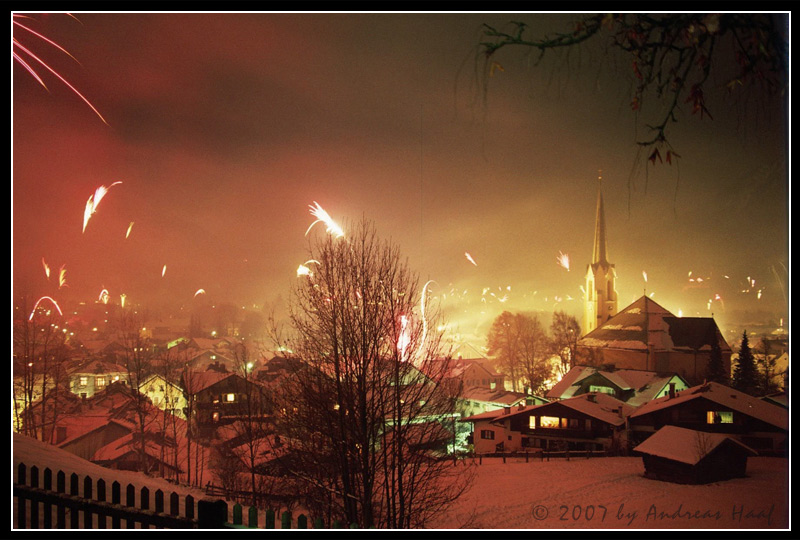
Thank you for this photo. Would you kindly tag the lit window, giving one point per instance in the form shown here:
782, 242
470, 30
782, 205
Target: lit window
100, 382
230, 398
532, 422
549, 421
83, 381
719, 417
603, 389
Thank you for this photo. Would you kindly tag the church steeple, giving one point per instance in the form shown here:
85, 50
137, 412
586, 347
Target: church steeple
599, 254
601, 292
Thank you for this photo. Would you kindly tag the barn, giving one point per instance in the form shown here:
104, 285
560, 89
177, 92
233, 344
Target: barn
686, 456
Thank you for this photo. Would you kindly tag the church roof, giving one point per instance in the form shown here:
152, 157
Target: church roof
645, 322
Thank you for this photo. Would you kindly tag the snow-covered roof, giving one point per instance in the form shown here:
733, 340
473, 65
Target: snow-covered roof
686, 445
200, 380
725, 397
645, 324
500, 397
645, 384
597, 405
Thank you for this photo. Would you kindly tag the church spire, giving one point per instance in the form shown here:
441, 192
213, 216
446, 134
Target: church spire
599, 254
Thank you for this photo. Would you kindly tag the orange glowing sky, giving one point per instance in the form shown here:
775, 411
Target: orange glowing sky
223, 128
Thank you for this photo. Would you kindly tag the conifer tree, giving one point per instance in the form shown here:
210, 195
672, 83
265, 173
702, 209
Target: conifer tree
716, 367
745, 375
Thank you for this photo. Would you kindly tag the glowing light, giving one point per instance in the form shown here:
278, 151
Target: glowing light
303, 270
322, 216
563, 260
469, 258
25, 63
404, 340
199, 291
33, 311
758, 296
46, 269
164, 270
94, 202
122, 298
62, 277
644, 275
128, 233
103, 296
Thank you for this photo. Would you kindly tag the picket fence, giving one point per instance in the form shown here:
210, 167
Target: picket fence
36, 505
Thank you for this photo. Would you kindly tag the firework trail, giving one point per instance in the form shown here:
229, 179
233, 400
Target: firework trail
62, 277
199, 291
563, 260
46, 269
94, 202
322, 216
122, 298
128, 233
33, 311
25, 57
103, 296
469, 258
164, 270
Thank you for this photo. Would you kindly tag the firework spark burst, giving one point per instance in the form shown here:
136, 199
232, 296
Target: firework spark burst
94, 202
322, 217
199, 292
469, 258
62, 277
563, 260
103, 296
25, 58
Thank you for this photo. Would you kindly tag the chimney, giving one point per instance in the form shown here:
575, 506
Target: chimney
506, 410
671, 390
619, 411
591, 398
520, 406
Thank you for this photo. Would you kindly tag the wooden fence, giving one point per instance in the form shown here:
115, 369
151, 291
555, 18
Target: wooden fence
39, 505
538, 454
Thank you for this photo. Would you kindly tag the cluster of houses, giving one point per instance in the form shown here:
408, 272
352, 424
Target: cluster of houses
609, 408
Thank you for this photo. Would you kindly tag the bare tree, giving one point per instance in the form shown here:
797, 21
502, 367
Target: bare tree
565, 332
366, 416
503, 344
136, 355
534, 352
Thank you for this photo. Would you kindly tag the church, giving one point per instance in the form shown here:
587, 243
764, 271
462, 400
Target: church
643, 335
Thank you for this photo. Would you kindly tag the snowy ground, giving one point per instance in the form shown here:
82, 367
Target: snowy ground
609, 493
612, 493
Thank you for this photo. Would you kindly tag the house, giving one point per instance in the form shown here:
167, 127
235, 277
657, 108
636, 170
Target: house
220, 397
94, 375
686, 456
633, 386
715, 408
593, 421
164, 394
647, 337
474, 373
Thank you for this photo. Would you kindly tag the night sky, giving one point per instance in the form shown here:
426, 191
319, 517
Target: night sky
224, 128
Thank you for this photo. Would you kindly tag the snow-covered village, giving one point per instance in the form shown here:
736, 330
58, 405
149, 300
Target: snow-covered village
400, 271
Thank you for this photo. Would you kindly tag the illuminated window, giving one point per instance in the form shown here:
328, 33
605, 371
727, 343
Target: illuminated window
230, 398
719, 417
83, 381
603, 389
549, 422
532, 422
100, 382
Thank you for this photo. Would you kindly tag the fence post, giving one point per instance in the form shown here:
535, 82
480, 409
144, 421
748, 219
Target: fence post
34, 503
319, 524
73, 490
174, 504
48, 485
116, 498
302, 521
286, 520
61, 512
237, 514
336, 524
252, 517
270, 519
211, 514
101, 496
159, 501
130, 501
566, 453
87, 494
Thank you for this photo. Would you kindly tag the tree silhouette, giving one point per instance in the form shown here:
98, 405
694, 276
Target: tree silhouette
745, 374
672, 58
